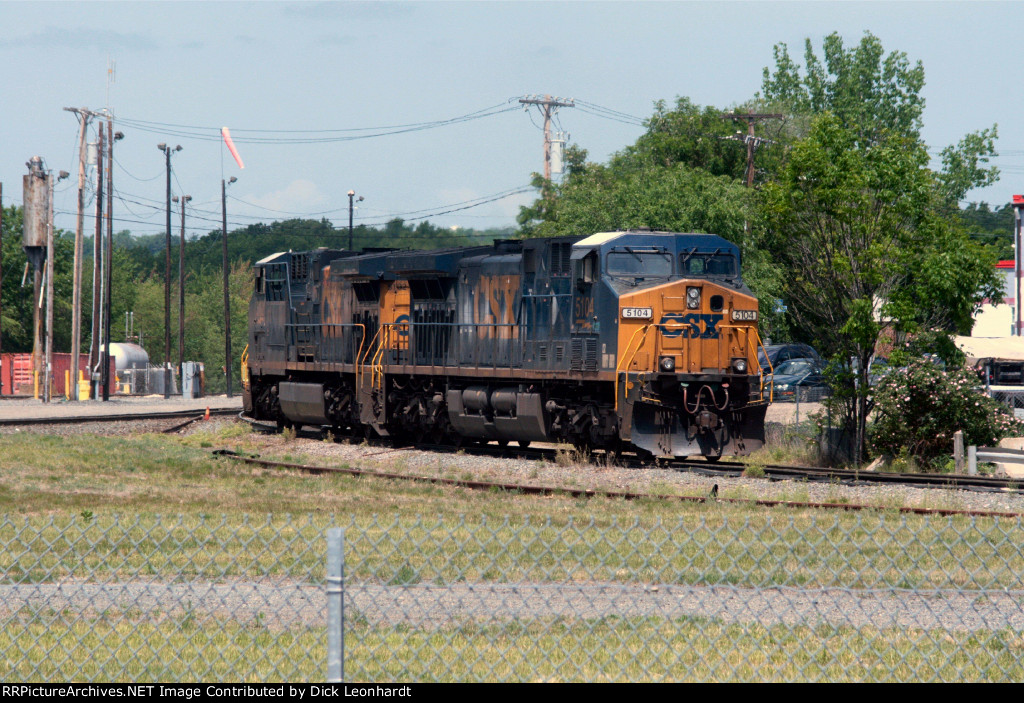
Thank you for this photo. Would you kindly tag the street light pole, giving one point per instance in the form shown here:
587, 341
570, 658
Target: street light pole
167, 276
351, 207
181, 290
227, 298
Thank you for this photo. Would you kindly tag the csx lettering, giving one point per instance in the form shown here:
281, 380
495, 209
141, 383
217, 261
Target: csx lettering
688, 326
402, 323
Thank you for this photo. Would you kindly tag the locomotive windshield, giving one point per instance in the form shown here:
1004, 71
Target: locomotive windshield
634, 263
716, 264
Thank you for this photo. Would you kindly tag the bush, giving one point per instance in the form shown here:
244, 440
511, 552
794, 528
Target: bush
920, 406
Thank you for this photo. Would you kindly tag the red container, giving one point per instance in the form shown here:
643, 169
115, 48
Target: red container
17, 374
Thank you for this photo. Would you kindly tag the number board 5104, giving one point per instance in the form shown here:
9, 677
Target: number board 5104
638, 313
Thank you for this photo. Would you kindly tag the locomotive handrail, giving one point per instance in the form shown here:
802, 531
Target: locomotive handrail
317, 330
624, 363
771, 369
245, 368
360, 374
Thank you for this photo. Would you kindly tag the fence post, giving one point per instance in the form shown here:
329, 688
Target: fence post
958, 451
335, 605
972, 460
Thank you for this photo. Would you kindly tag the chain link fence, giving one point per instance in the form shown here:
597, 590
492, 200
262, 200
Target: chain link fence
718, 594
1012, 398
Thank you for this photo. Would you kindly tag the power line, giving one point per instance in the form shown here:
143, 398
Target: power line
329, 135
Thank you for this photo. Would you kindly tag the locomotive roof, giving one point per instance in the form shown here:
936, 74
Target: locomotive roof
648, 238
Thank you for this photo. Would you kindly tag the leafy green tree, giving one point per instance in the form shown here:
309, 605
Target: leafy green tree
856, 229
876, 96
872, 95
992, 228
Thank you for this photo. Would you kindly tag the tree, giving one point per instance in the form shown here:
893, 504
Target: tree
871, 96
992, 228
856, 227
876, 97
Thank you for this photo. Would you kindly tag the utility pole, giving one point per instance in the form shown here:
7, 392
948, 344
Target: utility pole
548, 107
167, 276
97, 272
48, 371
84, 116
181, 291
749, 139
227, 298
105, 372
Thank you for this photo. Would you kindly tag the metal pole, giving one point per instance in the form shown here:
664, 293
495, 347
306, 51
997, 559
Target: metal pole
335, 605
95, 326
76, 293
351, 194
1016, 268
109, 258
48, 370
227, 297
167, 281
181, 292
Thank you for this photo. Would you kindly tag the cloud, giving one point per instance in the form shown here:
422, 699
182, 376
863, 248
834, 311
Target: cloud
82, 38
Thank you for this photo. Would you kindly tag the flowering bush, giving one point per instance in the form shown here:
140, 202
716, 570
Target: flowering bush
920, 406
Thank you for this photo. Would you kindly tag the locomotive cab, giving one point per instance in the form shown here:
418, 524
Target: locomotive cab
687, 380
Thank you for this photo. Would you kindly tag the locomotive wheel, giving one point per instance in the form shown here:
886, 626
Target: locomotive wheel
712, 459
524, 443
502, 443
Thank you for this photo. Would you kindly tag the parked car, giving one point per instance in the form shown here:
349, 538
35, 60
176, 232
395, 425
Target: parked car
805, 376
779, 353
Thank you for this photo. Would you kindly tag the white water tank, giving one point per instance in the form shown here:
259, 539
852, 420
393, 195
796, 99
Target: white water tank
129, 356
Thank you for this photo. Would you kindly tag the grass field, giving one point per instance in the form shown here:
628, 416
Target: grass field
606, 649
152, 508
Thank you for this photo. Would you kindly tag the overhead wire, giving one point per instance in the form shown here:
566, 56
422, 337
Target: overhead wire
327, 135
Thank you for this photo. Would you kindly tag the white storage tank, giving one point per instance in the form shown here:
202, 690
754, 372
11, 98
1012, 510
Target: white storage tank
129, 356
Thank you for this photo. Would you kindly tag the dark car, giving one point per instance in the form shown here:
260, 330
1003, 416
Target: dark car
779, 353
805, 376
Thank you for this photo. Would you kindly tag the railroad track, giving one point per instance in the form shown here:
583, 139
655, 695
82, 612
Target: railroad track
533, 489
774, 472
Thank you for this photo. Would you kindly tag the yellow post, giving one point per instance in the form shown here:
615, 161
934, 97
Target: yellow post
67, 384
35, 384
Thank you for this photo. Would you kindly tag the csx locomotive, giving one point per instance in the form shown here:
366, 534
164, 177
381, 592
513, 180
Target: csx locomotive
633, 340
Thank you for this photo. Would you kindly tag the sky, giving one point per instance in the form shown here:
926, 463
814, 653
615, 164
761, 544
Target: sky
296, 81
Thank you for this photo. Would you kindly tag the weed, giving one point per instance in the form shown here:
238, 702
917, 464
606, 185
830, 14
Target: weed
754, 471
289, 434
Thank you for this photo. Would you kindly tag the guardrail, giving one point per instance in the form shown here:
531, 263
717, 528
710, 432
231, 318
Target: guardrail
995, 455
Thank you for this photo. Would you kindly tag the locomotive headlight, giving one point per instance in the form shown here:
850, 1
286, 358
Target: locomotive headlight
740, 365
667, 364
693, 298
